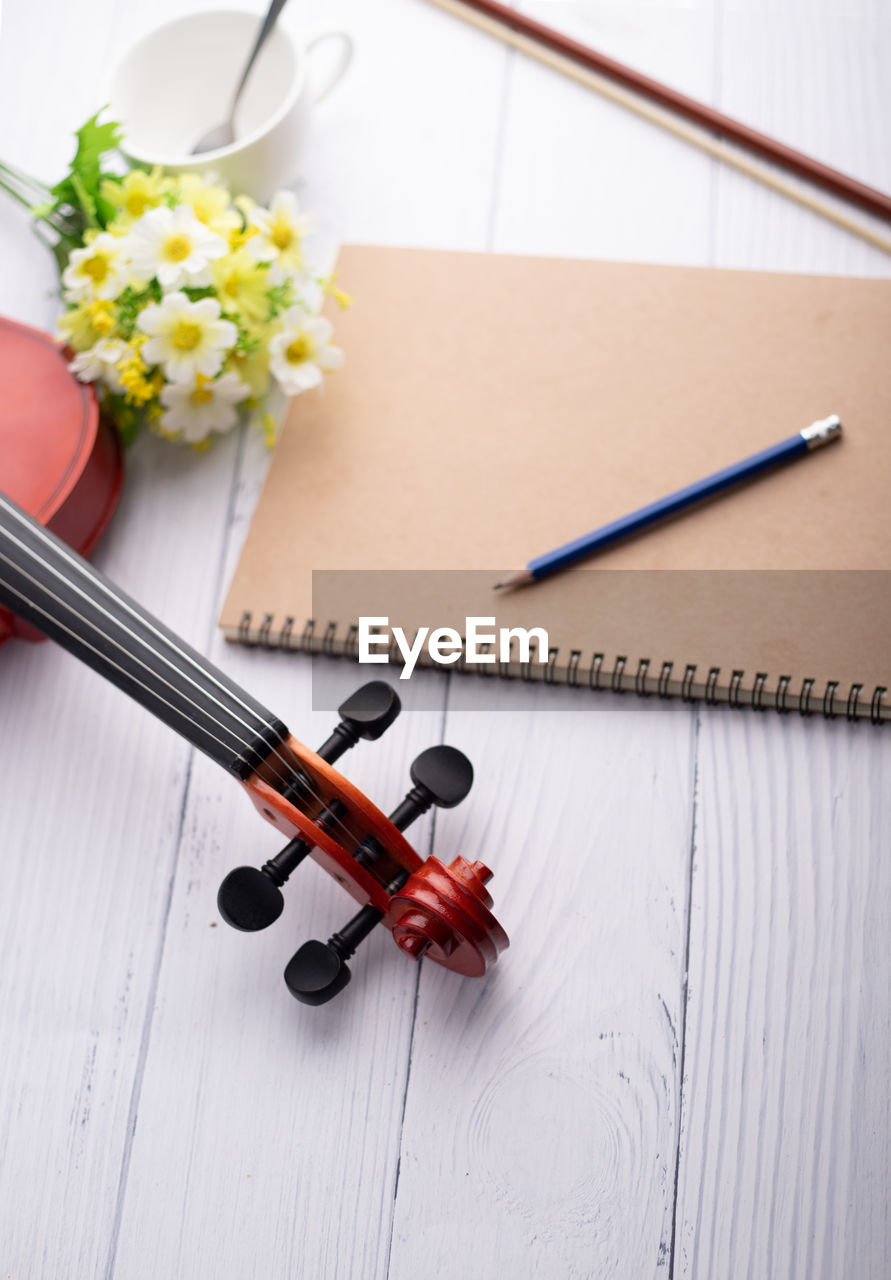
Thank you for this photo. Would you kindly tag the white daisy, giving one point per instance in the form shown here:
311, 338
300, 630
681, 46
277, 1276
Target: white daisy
186, 337
174, 247
193, 410
100, 363
100, 270
281, 230
299, 353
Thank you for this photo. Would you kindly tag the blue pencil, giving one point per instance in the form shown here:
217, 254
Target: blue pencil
818, 433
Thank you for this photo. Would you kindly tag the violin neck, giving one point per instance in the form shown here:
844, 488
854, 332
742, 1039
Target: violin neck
43, 581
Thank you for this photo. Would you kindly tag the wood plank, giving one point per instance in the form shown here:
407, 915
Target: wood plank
92, 807
282, 1113
92, 787
785, 1114
816, 79
403, 150
785, 1156
582, 176
36, 127
542, 1109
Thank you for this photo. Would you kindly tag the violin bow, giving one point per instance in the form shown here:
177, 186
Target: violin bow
662, 105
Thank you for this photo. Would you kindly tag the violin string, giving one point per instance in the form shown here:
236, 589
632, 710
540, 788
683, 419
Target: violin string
130, 654
123, 670
305, 782
37, 531
77, 564
291, 775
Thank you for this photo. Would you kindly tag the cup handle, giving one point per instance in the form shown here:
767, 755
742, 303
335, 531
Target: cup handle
320, 89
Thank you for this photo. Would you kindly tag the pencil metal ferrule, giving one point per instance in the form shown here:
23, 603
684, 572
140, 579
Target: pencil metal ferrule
824, 431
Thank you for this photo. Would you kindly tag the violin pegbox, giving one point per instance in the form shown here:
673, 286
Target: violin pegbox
443, 912
250, 898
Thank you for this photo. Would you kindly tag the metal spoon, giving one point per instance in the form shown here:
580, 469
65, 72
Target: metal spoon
223, 135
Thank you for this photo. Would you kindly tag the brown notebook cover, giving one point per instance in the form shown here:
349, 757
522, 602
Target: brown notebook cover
493, 407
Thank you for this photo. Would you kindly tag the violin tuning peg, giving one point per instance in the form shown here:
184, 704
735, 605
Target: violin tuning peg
442, 776
248, 899
251, 898
445, 773
371, 709
367, 713
318, 971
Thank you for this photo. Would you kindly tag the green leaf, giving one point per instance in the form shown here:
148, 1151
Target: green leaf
84, 199
280, 298
131, 302
80, 187
94, 140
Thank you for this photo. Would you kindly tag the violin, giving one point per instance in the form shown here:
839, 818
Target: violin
433, 910
59, 458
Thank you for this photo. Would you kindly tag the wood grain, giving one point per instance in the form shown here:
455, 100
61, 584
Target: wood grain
541, 1118
785, 1156
261, 1118
756, 53
92, 806
580, 175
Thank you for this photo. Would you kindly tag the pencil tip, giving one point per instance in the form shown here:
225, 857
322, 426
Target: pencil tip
515, 580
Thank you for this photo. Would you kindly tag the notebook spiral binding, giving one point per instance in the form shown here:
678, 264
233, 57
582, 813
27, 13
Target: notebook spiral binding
620, 679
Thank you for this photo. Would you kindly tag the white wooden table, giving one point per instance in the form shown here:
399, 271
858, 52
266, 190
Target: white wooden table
681, 1067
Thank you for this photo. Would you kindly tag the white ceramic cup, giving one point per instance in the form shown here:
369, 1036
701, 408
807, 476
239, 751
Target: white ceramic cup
177, 82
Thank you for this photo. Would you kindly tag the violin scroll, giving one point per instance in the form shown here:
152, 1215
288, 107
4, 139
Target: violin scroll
442, 776
443, 912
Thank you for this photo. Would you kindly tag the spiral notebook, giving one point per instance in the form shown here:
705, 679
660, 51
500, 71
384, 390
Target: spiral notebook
493, 406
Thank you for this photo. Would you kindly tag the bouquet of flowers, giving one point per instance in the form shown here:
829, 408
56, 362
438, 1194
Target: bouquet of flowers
186, 307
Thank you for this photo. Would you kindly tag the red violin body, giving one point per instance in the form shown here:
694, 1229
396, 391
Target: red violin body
59, 459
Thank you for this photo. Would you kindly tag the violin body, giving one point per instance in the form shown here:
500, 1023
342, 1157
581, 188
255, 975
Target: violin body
58, 489
59, 459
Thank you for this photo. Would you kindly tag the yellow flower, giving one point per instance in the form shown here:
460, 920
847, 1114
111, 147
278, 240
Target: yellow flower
133, 195
132, 371
282, 229
83, 325
210, 204
99, 271
241, 284
240, 236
